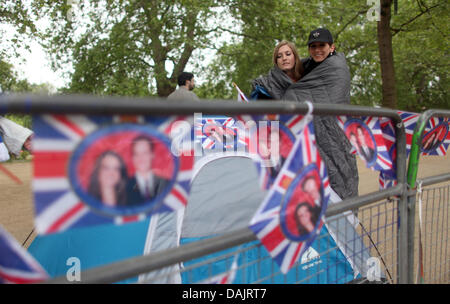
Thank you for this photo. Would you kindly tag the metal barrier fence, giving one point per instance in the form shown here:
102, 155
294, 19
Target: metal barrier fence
386, 228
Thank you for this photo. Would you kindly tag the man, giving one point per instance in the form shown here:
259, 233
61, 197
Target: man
269, 151
311, 186
144, 185
186, 84
366, 152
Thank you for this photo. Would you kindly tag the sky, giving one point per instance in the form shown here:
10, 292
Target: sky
37, 68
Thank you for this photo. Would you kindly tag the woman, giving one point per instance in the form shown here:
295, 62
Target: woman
287, 69
325, 79
306, 217
108, 180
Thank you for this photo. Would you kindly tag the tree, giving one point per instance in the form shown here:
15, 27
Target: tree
15, 14
127, 47
413, 41
389, 91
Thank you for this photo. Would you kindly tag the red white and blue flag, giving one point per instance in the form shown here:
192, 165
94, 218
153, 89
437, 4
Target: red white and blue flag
66, 149
275, 223
240, 96
367, 139
436, 137
17, 266
218, 133
409, 122
226, 277
435, 140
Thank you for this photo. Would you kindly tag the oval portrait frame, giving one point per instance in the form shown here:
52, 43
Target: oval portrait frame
147, 207
285, 202
429, 133
282, 128
358, 121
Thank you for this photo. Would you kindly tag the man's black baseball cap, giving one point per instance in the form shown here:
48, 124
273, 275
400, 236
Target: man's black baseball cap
320, 35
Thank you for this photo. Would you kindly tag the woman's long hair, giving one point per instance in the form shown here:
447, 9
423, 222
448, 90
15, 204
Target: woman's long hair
315, 211
298, 68
94, 188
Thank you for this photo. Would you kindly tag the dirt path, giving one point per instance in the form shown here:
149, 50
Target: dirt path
17, 209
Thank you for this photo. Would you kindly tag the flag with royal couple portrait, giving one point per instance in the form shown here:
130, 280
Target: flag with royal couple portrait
291, 215
367, 140
93, 170
435, 140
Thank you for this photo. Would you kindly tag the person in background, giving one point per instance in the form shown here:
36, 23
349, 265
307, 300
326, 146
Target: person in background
186, 83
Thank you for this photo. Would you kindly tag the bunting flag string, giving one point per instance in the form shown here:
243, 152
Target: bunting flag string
366, 137
291, 215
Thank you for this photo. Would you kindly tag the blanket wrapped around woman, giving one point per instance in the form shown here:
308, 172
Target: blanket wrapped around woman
328, 82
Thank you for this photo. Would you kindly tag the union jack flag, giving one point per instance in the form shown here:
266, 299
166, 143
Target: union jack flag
409, 122
273, 222
367, 139
17, 266
436, 125
65, 148
218, 134
241, 96
288, 128
226, 277
436, 138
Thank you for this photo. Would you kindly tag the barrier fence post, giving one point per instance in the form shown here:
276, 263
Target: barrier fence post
413, 167
406, 177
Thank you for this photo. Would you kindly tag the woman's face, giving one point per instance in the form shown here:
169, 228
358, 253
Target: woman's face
109, 173
285, 58
319, 51
305, 218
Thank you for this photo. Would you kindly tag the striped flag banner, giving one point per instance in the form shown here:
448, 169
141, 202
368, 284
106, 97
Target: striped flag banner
436, 137
366, 137
435, 140
17, 266
240, 96
291, 215
85, 168
227, 277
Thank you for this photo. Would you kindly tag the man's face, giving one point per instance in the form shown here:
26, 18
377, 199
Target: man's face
361, 138
142, 156
319, 51
312, 188
191, 84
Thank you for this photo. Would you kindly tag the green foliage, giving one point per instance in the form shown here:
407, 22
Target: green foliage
138, 48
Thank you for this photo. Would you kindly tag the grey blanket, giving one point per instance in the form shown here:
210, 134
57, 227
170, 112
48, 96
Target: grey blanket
329, 82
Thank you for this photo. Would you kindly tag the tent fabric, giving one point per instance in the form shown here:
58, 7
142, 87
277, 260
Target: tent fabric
14, 135
224, 196
256, 265
94, 246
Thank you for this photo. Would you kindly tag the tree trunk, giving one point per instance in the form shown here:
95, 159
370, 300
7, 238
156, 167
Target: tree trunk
386, 56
